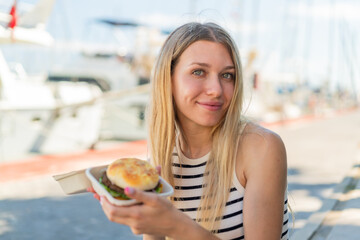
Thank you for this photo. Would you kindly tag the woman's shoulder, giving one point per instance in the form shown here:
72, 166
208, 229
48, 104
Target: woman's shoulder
259, 148
258, 135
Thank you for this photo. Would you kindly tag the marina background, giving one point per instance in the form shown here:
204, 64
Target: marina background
299, 58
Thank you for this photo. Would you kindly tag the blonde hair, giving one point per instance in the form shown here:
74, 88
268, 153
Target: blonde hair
163, 122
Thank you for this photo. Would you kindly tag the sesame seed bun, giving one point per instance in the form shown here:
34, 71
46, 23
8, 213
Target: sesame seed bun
133, 172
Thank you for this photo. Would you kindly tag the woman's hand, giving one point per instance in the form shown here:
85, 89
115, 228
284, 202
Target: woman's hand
154, 215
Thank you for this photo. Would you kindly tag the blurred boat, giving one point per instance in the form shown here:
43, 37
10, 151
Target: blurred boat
42, 116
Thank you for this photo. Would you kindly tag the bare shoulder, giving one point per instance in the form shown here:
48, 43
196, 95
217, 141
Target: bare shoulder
256, 137
259, 149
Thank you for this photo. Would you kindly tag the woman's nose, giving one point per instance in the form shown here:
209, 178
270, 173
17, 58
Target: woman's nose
213, 86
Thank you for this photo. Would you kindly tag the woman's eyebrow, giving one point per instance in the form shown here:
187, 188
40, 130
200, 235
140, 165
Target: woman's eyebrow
200, 64
229, 67
208, 65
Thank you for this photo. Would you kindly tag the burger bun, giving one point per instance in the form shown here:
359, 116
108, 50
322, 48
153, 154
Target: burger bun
133, 172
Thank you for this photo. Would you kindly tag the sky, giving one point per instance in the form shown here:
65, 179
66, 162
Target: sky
315, 39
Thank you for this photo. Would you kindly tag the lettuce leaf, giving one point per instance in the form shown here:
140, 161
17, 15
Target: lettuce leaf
112, 192
159, 188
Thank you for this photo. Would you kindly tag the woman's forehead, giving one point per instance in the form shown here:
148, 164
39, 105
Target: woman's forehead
204, 51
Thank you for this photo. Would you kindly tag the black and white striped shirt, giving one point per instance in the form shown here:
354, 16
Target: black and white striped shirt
188, 181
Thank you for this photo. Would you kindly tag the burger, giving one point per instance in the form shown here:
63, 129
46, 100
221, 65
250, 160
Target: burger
130, 172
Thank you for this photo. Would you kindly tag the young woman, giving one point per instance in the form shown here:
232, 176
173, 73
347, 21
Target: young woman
229, 175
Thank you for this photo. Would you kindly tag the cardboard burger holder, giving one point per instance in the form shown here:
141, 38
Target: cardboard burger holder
73, 182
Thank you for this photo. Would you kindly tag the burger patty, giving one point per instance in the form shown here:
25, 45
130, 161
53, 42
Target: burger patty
106, 181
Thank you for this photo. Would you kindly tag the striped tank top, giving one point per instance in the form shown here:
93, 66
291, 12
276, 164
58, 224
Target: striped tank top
188, 180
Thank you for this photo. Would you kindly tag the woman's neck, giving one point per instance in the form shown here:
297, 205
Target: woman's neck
195, 144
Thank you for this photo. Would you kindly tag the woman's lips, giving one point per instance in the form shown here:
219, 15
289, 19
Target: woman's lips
212, 106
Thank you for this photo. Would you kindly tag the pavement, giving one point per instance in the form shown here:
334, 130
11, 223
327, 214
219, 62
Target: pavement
340, 216
323, 185
323, 163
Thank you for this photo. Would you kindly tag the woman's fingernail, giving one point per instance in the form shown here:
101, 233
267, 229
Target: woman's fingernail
101, 200
129, 190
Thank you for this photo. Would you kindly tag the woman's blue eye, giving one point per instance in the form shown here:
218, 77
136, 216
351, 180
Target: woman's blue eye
198, 72
228, 75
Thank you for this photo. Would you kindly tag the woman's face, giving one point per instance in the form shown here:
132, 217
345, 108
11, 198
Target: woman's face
203, 84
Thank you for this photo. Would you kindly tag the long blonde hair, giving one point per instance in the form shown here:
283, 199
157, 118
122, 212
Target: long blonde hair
163, 122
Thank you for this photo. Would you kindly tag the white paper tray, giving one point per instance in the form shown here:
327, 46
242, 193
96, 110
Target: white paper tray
95, 173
